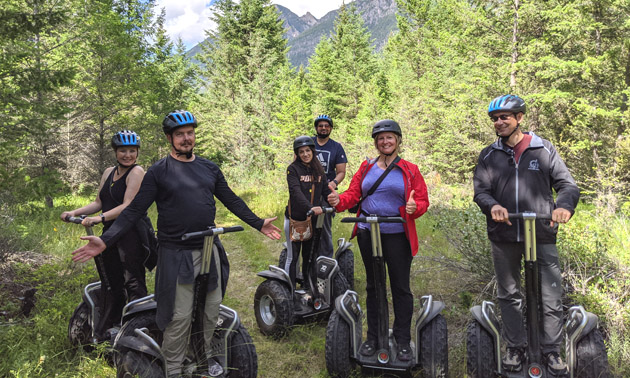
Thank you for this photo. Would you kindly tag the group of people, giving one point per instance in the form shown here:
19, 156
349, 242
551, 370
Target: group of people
514, 174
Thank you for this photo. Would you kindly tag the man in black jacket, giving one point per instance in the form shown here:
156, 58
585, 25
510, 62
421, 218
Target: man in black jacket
516, 174
184, 187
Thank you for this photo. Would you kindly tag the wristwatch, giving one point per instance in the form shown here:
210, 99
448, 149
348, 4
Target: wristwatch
102, 218
335, 181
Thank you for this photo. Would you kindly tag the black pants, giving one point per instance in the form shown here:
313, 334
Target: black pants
293, 254
397, 255
122, 274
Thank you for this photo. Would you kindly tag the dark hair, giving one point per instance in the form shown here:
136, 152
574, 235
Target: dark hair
315, 165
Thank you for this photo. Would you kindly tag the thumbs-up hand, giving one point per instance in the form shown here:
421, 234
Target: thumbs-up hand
333, 197
411, 203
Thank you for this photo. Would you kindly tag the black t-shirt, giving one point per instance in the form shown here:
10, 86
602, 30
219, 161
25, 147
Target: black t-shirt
329, 155
184, 193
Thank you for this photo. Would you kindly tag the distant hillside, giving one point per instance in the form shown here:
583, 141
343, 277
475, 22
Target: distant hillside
379, 17
304, 33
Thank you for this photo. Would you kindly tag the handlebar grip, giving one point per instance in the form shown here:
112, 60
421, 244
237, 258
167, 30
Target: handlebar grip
523, 215
76, 220
378, 219
309, 213
212, 231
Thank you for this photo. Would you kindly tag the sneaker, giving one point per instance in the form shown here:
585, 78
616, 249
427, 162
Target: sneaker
404, 354
214, 368
513, 359
555, 364
368, 348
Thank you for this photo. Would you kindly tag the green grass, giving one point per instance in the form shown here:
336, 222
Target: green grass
449, 233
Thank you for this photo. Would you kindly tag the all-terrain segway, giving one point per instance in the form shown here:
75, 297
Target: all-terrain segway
81, 328
137, 345
278, 305
343, 255
344, 330
585, 351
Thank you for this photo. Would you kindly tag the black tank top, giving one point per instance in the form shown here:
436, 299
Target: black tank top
112, 193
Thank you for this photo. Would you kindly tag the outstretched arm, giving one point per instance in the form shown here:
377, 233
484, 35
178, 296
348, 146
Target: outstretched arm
92, 249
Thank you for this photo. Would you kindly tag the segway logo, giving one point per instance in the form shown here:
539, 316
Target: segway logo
323, 269
533, 165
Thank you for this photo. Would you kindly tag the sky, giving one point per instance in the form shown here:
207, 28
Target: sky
188, 19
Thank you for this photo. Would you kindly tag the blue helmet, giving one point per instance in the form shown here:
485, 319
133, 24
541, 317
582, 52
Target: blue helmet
324, 117
125, 138
507, 103
178, 118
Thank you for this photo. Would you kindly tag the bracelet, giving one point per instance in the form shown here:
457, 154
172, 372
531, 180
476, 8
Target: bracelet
102, 218
335, 181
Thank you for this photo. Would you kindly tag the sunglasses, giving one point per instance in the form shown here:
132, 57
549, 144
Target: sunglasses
502, 117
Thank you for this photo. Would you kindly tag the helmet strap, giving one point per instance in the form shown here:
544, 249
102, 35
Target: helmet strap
505, 138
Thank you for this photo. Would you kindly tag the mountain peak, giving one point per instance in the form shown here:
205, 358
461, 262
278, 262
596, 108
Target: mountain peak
309, 19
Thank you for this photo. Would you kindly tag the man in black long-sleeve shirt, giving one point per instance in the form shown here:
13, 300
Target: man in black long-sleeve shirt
183, 186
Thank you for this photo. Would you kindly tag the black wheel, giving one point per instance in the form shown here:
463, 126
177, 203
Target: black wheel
346, 265
433, 356
480, 356
340, 286
283, 258
142, 320
243, 358
273, 306
338, 347
136, 364
79, 330
592, 359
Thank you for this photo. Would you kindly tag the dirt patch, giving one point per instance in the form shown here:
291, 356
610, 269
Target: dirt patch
17, 295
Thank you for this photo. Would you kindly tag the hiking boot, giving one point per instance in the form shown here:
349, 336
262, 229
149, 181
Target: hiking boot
555, 364
214, 368
404, 353
368, 348
513, 359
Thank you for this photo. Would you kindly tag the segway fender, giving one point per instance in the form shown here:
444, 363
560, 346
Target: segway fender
137, 344
429, 310
342, 246
138, 306
276, 273
347, 305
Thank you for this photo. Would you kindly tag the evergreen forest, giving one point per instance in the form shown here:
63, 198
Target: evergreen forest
73, 72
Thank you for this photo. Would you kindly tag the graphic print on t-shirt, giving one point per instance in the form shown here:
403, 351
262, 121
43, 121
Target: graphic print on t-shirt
324, 158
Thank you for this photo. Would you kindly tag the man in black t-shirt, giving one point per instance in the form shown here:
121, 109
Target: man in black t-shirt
333, 159
183, 186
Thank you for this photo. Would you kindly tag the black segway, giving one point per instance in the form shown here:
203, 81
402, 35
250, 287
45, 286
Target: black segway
137, 345
278, 305
585, 351
344, 330
81, 328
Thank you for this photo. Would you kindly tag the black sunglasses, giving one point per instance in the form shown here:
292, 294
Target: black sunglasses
502, 117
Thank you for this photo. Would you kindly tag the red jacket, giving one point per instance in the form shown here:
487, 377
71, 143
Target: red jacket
413, 181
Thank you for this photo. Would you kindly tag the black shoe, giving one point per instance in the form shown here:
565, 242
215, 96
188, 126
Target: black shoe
513, 359
555, 364
404, 353
368, 348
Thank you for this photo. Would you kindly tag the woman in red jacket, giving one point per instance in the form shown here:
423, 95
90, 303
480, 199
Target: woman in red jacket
401, 193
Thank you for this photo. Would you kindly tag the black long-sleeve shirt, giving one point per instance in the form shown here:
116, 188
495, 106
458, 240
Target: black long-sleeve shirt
184, 193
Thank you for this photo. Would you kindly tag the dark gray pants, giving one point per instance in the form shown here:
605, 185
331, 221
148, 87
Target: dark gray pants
507, 259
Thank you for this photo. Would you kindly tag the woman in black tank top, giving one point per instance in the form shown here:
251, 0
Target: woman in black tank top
121, 270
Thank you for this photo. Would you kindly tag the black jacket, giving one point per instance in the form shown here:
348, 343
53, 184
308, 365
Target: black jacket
523, 187
300, 185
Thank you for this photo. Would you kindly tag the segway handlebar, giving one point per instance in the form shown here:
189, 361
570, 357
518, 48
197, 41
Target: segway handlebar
529, 215
212, 231
325, 210
373, 219
76, 220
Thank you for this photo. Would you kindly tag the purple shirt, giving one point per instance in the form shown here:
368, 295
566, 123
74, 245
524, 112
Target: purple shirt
386, 200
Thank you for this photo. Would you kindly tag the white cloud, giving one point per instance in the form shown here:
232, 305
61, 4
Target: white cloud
189, 19
317, 8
